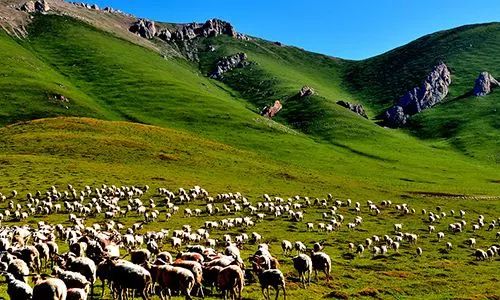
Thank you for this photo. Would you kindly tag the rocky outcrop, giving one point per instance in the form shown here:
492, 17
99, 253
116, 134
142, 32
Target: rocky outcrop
144, 28
306, 91
357, 108
42, 6
484, 84
38, 6
270, 112
187, 32
229, 63
96, 7
432, 91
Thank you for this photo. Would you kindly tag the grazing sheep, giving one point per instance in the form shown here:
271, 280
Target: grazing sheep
300, 247
321, 262
286, 246
49, 289
171, 278
140, 256
195, 268
481, 254
17, 289
76, 294
449, 246
71, 279
360, 249
271, 278
471, 242
126, 276
303, 264
419, 251
230, 281
440, 236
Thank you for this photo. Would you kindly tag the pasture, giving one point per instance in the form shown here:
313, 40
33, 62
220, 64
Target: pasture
438, 273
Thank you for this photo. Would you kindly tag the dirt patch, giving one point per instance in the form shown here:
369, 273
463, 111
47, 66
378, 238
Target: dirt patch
168, 157
337, 295
369, 292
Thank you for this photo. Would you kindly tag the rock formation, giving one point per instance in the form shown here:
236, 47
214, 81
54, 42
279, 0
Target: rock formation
229, 63
306, 91
433, 90
187, 32
357, 108
38, 6
144, 28
484, 84
270, 112
41, 6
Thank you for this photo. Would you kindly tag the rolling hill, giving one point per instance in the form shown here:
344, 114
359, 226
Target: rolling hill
74, 63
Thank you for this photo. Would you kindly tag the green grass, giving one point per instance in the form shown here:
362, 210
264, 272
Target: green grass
134, 117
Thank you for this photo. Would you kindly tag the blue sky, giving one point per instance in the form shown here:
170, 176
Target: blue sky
348, 29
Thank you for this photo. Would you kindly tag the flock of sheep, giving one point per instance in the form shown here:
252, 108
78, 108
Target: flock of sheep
198, 262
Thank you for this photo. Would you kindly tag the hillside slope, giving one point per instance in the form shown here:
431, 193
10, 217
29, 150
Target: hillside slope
318, 146
470, 124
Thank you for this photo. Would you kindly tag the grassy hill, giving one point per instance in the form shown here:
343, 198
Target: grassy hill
470, 124
84, 105
338, 149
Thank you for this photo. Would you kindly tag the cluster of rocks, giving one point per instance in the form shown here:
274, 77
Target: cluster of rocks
35, 6
187, 32
144, 28
271, 111
484, 84
228, 63
357, 108
432, 91
306, 91
96, 7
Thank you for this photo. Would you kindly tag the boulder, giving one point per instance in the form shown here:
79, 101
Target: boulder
42, 6
165, 35
357, 108
432, 91
28, 7
270, 112
229, 63
215, 27
395, 117
144, 28
306, 91
484, 84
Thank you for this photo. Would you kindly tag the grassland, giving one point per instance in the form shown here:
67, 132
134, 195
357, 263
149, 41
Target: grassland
135, 117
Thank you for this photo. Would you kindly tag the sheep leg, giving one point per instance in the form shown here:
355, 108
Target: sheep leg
264, 293
277, 288
143, 295
200, 291
284, 292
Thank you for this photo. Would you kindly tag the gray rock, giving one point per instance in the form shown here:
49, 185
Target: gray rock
144, 28
395, 116
306, 91
484, 84
357, 108
165, 35
229, 63
432, 91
